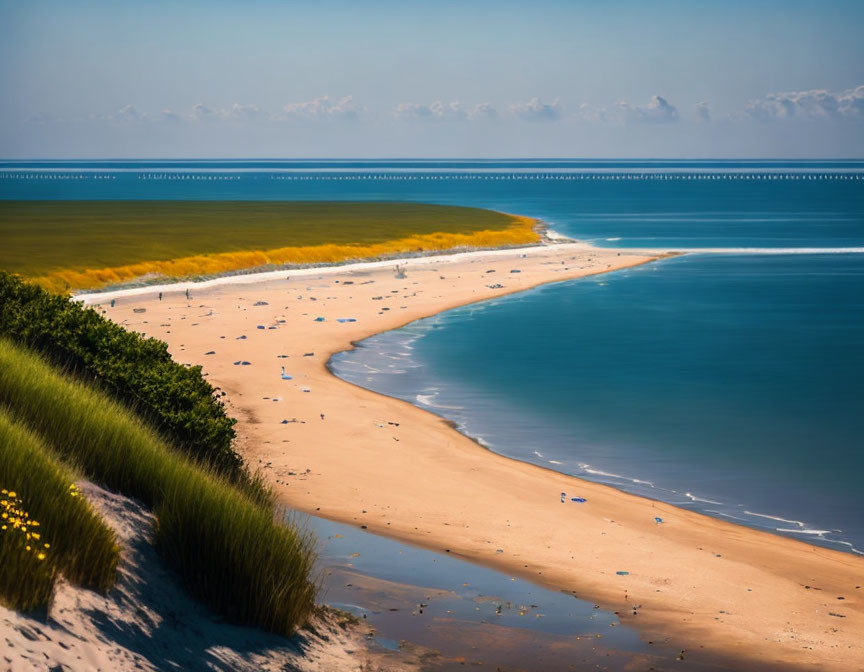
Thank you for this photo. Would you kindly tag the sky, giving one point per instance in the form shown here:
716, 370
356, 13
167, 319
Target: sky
466, 78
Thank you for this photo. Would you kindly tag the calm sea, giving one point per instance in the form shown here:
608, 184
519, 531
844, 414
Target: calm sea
728, 383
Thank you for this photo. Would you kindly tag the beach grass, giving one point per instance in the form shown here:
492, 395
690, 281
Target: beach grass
235, 555
67, 245
136, 370
47, 527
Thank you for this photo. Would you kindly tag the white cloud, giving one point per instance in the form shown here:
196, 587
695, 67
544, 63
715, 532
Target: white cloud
201, 111
239, 111
600, 115
812, 104
440, 111
659, 110
536, 110
128, 113
412, 111
323, 108
483, 111
703, 111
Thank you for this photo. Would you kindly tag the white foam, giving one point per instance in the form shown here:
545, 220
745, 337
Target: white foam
694, 498
428, 400
845, 543
777, 518
818, 533
769, 250
725, 515
597, 472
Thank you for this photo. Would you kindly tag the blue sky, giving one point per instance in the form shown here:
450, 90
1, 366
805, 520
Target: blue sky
478, 78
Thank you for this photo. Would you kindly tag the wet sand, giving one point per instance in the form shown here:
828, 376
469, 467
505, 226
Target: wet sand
715, 590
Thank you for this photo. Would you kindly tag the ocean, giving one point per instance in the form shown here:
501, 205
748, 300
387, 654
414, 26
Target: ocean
729, 383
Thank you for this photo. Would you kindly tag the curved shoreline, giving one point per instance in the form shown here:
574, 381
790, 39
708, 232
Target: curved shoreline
819, 532
736, 592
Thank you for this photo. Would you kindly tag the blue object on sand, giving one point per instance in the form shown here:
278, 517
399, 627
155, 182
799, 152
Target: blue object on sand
261, 326
622, 573
578, 499
346, 319
285, 376
319, 319
658, 520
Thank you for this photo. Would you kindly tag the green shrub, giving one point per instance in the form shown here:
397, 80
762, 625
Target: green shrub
47, 527
233, 554
137, 370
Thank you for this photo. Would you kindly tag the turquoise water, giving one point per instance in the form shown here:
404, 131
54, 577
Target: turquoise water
731, 384
727, 383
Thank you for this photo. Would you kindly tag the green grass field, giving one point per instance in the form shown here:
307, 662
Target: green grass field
43, 237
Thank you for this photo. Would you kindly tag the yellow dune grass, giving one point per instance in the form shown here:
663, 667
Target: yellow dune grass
522, 232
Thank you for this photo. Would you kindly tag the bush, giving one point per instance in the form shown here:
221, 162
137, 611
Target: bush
47, 527
233, 554
136, 370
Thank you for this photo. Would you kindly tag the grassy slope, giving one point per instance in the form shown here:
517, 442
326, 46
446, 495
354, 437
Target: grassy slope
43, 237
48, 528
233, 554
137, 370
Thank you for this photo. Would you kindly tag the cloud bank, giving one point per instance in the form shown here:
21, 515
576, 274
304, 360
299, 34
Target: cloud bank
813, 104
658, 111
810, 105
440, 111
536, 110
323, 108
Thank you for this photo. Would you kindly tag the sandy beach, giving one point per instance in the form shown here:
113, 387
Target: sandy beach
719, 592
